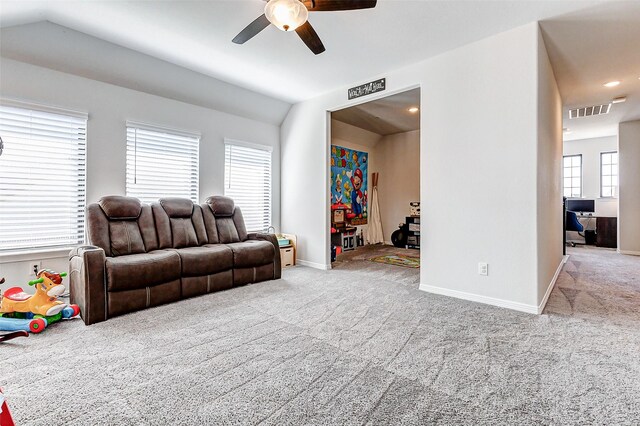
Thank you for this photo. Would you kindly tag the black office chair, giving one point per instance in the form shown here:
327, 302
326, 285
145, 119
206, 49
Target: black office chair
573, 224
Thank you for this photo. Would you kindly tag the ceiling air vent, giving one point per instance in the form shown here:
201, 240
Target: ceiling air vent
589, 111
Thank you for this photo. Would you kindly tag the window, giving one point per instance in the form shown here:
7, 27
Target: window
608, 174
247, 179
161, 163
572, 175
42, 177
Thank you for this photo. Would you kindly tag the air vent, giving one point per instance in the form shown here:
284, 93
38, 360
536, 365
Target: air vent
589, 111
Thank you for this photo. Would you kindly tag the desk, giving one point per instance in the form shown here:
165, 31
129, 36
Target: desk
607, 232
606, 229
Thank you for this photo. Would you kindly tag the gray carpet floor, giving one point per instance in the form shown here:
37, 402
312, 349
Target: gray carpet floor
358, 260
345, 347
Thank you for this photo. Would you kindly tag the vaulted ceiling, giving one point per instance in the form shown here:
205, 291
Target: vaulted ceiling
197, 35
183, 49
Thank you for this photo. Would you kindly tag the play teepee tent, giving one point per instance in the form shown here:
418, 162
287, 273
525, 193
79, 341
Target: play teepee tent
374, 230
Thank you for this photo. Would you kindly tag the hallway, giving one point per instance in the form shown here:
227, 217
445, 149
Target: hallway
598, 284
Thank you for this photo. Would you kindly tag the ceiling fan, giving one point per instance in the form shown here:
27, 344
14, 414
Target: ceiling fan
291, 15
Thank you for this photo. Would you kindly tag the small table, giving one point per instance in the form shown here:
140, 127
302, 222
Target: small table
288, 252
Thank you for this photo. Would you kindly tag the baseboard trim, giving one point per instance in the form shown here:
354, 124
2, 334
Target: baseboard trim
516, 306
632, 253
552, 284
313, 264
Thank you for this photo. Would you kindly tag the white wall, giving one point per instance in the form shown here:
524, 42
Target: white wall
109, 107
398, 162
629, 198
478, 147
590, 150
550, 222
347, 133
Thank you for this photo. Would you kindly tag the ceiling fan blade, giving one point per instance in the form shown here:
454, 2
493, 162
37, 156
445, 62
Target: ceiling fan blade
333, 5
259, 24
310, 38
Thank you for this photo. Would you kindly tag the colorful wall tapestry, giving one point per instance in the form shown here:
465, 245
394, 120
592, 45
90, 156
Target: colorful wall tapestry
349, 170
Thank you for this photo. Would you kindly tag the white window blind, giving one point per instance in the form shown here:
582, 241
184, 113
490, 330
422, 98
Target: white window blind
247, 180
42, 178
161, 163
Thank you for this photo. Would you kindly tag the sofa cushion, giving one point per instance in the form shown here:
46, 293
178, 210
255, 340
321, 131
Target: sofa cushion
183, 233
125, 237
179, 223
227, 231
205, 260
177, 207
221, 206
119, 207
142, 270
252, 253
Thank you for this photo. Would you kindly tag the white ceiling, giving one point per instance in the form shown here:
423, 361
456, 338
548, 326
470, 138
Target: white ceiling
589, 48
360, 44
385, 116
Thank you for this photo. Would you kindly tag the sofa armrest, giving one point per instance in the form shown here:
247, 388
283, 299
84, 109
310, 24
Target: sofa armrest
277, 263
87, 283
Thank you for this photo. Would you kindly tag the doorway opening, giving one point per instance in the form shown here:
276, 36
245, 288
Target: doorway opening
375, 186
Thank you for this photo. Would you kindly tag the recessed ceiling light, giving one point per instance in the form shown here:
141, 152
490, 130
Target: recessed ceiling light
612, 83
413, 110
619, 100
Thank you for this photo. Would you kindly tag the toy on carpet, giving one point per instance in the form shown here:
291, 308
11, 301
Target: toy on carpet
68, 312
5, 414
8, 323
45, 302
33, 313
12, 335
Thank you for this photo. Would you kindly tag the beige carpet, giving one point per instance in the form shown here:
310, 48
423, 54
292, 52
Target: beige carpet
345, 347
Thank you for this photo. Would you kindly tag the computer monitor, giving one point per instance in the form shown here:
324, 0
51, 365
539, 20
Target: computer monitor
581, 205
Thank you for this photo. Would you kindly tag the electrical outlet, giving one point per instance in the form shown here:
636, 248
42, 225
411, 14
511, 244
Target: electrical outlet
34, 267
483, 268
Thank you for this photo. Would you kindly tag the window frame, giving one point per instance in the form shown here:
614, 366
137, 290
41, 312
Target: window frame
137, 125
255, 146
611, 175
581, 176
15, 254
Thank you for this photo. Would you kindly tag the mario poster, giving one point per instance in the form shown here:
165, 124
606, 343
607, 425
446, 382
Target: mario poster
349, 178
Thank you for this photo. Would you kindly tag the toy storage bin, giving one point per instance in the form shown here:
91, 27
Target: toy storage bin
286, 256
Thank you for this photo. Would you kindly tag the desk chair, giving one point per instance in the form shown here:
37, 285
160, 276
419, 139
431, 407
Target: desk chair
573, 224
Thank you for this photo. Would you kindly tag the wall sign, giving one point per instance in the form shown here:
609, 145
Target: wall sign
368, 88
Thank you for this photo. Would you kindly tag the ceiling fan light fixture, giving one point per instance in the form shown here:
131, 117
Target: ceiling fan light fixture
286, 15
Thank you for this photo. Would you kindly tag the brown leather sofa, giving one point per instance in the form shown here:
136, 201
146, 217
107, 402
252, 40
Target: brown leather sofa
146, 255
